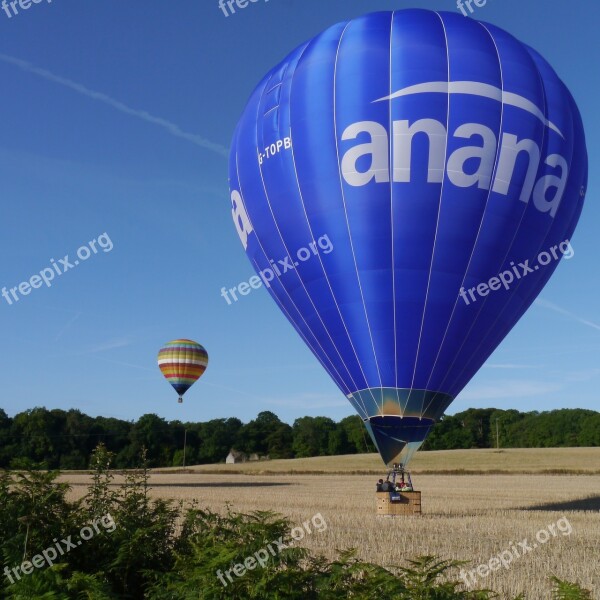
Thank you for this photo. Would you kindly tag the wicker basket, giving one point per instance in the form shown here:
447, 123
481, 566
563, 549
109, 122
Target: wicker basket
408, 504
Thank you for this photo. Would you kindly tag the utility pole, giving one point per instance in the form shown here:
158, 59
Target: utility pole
184, 445
497, 436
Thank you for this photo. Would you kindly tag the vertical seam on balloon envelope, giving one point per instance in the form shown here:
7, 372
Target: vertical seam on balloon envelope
518, 228
490, 328
273, 295
346, 391
341, 380
188, 356
178, 355
297, 273
337, 149
181, 354
436, 225
325, 272
543, 243
480, 308
390, 170
329, 284
494, 170
291, 320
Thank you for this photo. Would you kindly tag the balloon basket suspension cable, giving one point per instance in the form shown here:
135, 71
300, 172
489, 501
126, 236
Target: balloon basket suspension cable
405, 481
396, 495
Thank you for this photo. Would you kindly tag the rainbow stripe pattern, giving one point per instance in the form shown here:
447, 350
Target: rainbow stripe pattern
182, 362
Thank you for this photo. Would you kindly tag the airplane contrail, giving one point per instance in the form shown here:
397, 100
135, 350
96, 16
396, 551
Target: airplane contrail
562, 311
172, 128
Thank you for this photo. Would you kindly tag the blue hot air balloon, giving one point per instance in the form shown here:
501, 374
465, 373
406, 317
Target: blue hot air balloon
429, 153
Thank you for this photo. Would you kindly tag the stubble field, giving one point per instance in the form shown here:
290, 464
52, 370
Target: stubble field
472, 517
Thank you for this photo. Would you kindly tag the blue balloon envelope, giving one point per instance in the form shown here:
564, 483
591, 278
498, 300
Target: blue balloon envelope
393, 182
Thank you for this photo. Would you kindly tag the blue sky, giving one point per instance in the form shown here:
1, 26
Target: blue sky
116, 117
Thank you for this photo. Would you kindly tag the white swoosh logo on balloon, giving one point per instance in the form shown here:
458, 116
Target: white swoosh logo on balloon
474, 88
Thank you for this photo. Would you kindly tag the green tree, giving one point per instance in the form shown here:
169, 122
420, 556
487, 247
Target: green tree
356, 433
37, 434
7, 448
214, 439
77, 440
279, 442
338, 443
253, 436
311, 436
154, 434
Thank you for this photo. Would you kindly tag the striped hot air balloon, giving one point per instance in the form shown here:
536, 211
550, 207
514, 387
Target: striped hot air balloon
182, 362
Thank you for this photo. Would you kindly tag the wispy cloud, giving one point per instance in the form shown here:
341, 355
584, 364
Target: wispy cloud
119, 342
509, 366
315, 366
172, 128
308, 401
126, 364
229, 389
551, 306
509, 389
584, 375
67, 326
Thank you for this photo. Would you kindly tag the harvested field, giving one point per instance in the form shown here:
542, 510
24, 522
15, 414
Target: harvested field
470, 517
510, 460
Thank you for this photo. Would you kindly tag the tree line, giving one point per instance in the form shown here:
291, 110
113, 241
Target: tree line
491, 427
66, 439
